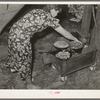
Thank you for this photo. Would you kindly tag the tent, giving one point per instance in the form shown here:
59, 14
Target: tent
7, 12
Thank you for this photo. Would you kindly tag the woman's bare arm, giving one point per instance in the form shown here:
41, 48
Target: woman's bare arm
66, 34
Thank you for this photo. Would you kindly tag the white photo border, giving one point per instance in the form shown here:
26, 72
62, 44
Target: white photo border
49, 94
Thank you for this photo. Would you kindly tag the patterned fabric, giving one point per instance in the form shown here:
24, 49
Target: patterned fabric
19, 46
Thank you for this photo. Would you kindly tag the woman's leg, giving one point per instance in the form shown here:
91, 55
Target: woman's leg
30, 59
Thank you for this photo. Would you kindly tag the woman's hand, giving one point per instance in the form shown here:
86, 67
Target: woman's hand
77, 41
66, 34
76, 44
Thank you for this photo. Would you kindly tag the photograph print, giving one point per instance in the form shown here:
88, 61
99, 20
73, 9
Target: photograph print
49, 46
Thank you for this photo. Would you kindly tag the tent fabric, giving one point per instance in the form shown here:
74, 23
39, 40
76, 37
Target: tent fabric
7, 12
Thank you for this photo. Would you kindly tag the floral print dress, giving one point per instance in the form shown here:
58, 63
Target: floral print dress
19, 46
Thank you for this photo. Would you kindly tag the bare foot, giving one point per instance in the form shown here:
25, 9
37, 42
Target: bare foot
34, 73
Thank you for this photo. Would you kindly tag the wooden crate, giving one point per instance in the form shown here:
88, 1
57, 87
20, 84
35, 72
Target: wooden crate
77, 63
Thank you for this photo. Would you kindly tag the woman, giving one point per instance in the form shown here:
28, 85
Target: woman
19, 46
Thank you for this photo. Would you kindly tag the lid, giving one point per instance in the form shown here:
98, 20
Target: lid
61, 44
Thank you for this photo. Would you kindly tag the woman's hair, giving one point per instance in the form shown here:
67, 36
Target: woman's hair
48, 7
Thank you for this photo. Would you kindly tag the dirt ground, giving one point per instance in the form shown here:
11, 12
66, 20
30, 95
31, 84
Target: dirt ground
47, 77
